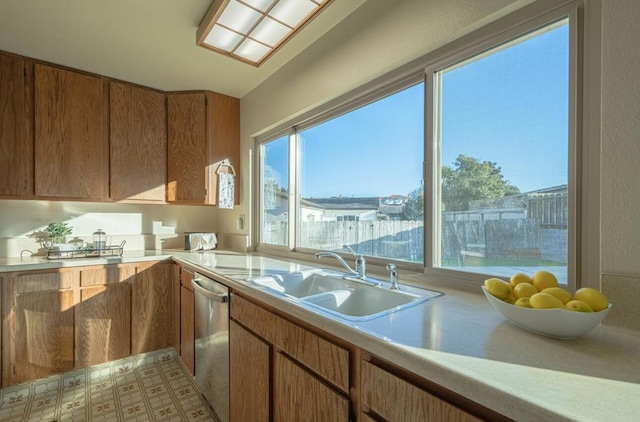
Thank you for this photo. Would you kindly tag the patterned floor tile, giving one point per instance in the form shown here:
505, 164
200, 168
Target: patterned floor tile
152, 386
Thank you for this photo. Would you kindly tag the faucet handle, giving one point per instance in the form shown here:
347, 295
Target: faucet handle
393, 277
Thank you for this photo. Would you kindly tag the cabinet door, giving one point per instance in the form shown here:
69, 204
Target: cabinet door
39, 322
186, 140
16, 142
397, 400
249, 359
187, 329
224, 120
103, 316
69, 134
299, 396
151, 308
138, 143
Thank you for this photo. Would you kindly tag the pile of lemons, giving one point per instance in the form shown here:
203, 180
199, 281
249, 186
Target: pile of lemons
542, 292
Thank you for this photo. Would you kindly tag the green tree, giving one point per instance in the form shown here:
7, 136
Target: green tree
470, 179
414, 207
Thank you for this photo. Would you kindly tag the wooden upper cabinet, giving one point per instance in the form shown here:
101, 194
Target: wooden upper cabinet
70, 144
203, 129
16, 138
187, 139
138, 143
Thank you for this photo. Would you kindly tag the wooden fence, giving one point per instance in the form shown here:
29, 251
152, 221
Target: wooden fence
487, 233
391, 238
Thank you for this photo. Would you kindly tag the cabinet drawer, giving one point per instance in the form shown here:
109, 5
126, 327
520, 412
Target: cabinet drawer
395, 399
107, 275
321, 356
42, 282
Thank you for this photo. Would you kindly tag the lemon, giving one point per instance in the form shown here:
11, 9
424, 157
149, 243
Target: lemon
524, 290
596, 300
510, 299
560, 293
518, 278
499, 288
578, 306
523, 302
545, 301
544, 279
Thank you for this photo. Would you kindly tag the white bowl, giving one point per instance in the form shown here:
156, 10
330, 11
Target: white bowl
557, 323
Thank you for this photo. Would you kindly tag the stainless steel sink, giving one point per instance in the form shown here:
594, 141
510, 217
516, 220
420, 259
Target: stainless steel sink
340, 295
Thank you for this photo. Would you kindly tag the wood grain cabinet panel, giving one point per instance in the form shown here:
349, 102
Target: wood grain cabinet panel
318, 354
152, 306
249, 365
16, 140
187, 322
203, 129
299, 396
38, 323
70, 140
138, 143
397, 400
187, 139
103, 316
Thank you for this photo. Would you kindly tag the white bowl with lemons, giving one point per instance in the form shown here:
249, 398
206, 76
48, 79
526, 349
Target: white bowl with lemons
542, 315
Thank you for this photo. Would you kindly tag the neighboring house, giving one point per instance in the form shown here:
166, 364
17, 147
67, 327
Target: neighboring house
338, 208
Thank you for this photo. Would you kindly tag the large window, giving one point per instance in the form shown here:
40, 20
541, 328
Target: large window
501, 130
274, 197
360, 180
499, 150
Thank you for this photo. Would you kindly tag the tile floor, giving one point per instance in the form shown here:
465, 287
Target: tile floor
152, 386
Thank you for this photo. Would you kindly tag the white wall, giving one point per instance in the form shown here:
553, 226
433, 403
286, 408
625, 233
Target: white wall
620, 171
133, 222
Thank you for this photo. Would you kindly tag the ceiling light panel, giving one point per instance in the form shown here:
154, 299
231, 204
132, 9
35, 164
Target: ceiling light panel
252, 50
292, 12
269, 32
239, 17
261, 5
223, 38
251, 30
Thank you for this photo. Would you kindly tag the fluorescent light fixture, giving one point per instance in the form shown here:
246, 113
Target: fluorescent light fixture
252, 30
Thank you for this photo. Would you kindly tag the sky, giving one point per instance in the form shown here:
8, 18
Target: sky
510, 107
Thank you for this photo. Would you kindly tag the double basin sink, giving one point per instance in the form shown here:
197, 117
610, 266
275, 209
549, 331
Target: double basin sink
341, 294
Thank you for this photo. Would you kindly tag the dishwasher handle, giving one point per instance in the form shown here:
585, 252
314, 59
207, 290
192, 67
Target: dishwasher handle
218, 297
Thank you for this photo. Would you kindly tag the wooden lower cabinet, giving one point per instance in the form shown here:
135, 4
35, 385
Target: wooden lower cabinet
307, 373
300, 396
187, 321
103, 316
38, 319
391, 398
152, 308
59, 320
248, 375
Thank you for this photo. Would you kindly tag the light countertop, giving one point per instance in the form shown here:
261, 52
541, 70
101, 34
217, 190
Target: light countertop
457, 340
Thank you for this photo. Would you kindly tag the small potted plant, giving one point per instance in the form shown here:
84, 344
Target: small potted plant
56, 233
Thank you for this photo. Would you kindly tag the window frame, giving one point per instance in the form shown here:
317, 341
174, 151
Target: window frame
370, 95
569, 12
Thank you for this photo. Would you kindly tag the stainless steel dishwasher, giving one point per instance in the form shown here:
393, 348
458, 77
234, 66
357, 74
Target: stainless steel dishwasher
212, 342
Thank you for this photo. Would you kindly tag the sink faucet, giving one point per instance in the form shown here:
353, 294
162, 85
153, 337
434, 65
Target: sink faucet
360, 270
